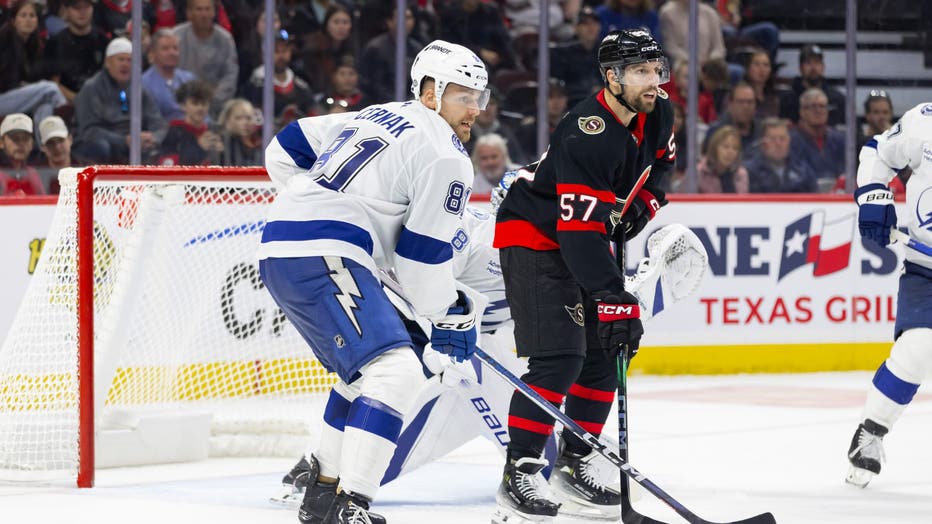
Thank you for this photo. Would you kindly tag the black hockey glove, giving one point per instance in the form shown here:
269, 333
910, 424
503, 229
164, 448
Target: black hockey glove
642, 209
619, 323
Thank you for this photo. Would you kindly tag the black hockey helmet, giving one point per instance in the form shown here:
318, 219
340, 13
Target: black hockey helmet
620, 49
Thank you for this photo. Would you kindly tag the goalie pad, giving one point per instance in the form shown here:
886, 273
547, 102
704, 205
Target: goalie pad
674, 268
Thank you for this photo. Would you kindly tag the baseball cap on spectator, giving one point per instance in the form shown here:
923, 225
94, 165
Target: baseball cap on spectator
52, 127
16, 122
119, 45
810, 52
282, 36
587, 12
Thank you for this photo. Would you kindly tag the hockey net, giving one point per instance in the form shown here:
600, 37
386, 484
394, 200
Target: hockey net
146, 328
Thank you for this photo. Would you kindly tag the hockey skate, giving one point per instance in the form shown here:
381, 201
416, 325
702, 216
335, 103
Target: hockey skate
318, 496
350, 508
866, 453
294, 484
522, 495
581, 485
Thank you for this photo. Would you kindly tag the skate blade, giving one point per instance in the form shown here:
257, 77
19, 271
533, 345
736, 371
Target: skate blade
288, 497
588, 512
510, 516
859, 477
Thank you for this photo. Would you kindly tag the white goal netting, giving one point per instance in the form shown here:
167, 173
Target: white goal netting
182, 326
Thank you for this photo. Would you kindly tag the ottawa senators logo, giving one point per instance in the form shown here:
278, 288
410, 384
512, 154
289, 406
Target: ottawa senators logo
576, 314
591, 125
662, 94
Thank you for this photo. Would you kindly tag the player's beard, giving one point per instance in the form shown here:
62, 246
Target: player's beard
639, 103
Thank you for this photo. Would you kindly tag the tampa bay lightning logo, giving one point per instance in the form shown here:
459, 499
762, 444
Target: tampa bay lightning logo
926, 110
459, 145
924, 209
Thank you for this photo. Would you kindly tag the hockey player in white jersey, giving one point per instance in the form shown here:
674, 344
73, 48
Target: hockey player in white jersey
908, 144
464, 403
382, 187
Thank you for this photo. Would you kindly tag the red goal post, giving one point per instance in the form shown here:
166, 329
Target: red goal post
146, 313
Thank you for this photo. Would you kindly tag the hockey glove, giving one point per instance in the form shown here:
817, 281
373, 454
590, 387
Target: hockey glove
642, 209
876, 214
501, 190
619, 323
455, 333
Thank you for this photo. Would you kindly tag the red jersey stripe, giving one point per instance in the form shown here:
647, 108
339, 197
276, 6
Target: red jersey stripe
580, 189
579, 225
522, 233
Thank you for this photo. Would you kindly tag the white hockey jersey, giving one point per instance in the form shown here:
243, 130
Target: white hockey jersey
385, 187
907, 144
476, 264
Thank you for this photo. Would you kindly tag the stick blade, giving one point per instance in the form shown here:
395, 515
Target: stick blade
763, 518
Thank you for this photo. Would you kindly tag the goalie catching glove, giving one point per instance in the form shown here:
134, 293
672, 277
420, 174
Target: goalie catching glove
454, 334
619, 323
876, 214
643, 208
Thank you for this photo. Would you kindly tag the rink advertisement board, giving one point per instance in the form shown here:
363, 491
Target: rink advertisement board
790, 286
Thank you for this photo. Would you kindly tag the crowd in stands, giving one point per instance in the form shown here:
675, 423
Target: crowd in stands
66, 64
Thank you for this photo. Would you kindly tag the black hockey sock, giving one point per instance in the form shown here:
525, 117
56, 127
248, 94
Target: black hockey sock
589, 400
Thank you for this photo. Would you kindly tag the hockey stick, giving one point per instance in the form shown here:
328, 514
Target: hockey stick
897, 235
589, 438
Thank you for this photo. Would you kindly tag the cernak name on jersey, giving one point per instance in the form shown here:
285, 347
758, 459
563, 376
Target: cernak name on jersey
395, 124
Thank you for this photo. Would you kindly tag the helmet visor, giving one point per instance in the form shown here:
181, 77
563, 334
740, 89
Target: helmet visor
651, 72
464, 96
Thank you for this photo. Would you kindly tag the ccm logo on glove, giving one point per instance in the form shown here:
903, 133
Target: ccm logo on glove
610, 312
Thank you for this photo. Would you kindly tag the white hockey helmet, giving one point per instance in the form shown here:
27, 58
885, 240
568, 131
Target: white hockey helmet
449, 63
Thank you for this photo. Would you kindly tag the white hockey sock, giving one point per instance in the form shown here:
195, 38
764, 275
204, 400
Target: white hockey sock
898, 378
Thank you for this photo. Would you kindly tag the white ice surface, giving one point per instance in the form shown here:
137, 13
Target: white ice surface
727, 447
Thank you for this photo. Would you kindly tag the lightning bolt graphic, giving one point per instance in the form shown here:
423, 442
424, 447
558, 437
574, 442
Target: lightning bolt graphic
348, 290
928, 220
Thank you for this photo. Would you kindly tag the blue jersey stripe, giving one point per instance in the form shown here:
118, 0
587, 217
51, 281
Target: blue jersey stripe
294, 142
374, 417
422, 248
872, 143
295, 231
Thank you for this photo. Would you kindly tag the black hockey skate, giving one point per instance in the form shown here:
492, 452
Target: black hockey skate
294, 484
350, 508
580, 483
318, 496
866, 453
522, 495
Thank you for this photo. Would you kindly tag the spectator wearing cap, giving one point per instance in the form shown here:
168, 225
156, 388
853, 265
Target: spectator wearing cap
163, 78
76, 53
344, 88
628, 14
480, 27
488, 121
208, 50
291, 91
878, 115
189, 142
575, 61
21, 88
326, 49
55, 144
815, 141
557, 104
102, 112
16, 177
812, 75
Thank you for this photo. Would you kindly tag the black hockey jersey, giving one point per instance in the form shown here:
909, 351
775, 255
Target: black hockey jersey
594, 163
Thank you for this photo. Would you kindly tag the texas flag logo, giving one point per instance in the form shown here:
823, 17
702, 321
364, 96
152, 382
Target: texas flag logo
812, 240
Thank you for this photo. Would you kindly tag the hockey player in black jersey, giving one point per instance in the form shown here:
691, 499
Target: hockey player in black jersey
572, 314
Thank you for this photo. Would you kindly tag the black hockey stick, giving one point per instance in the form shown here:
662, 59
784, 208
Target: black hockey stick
588, 438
